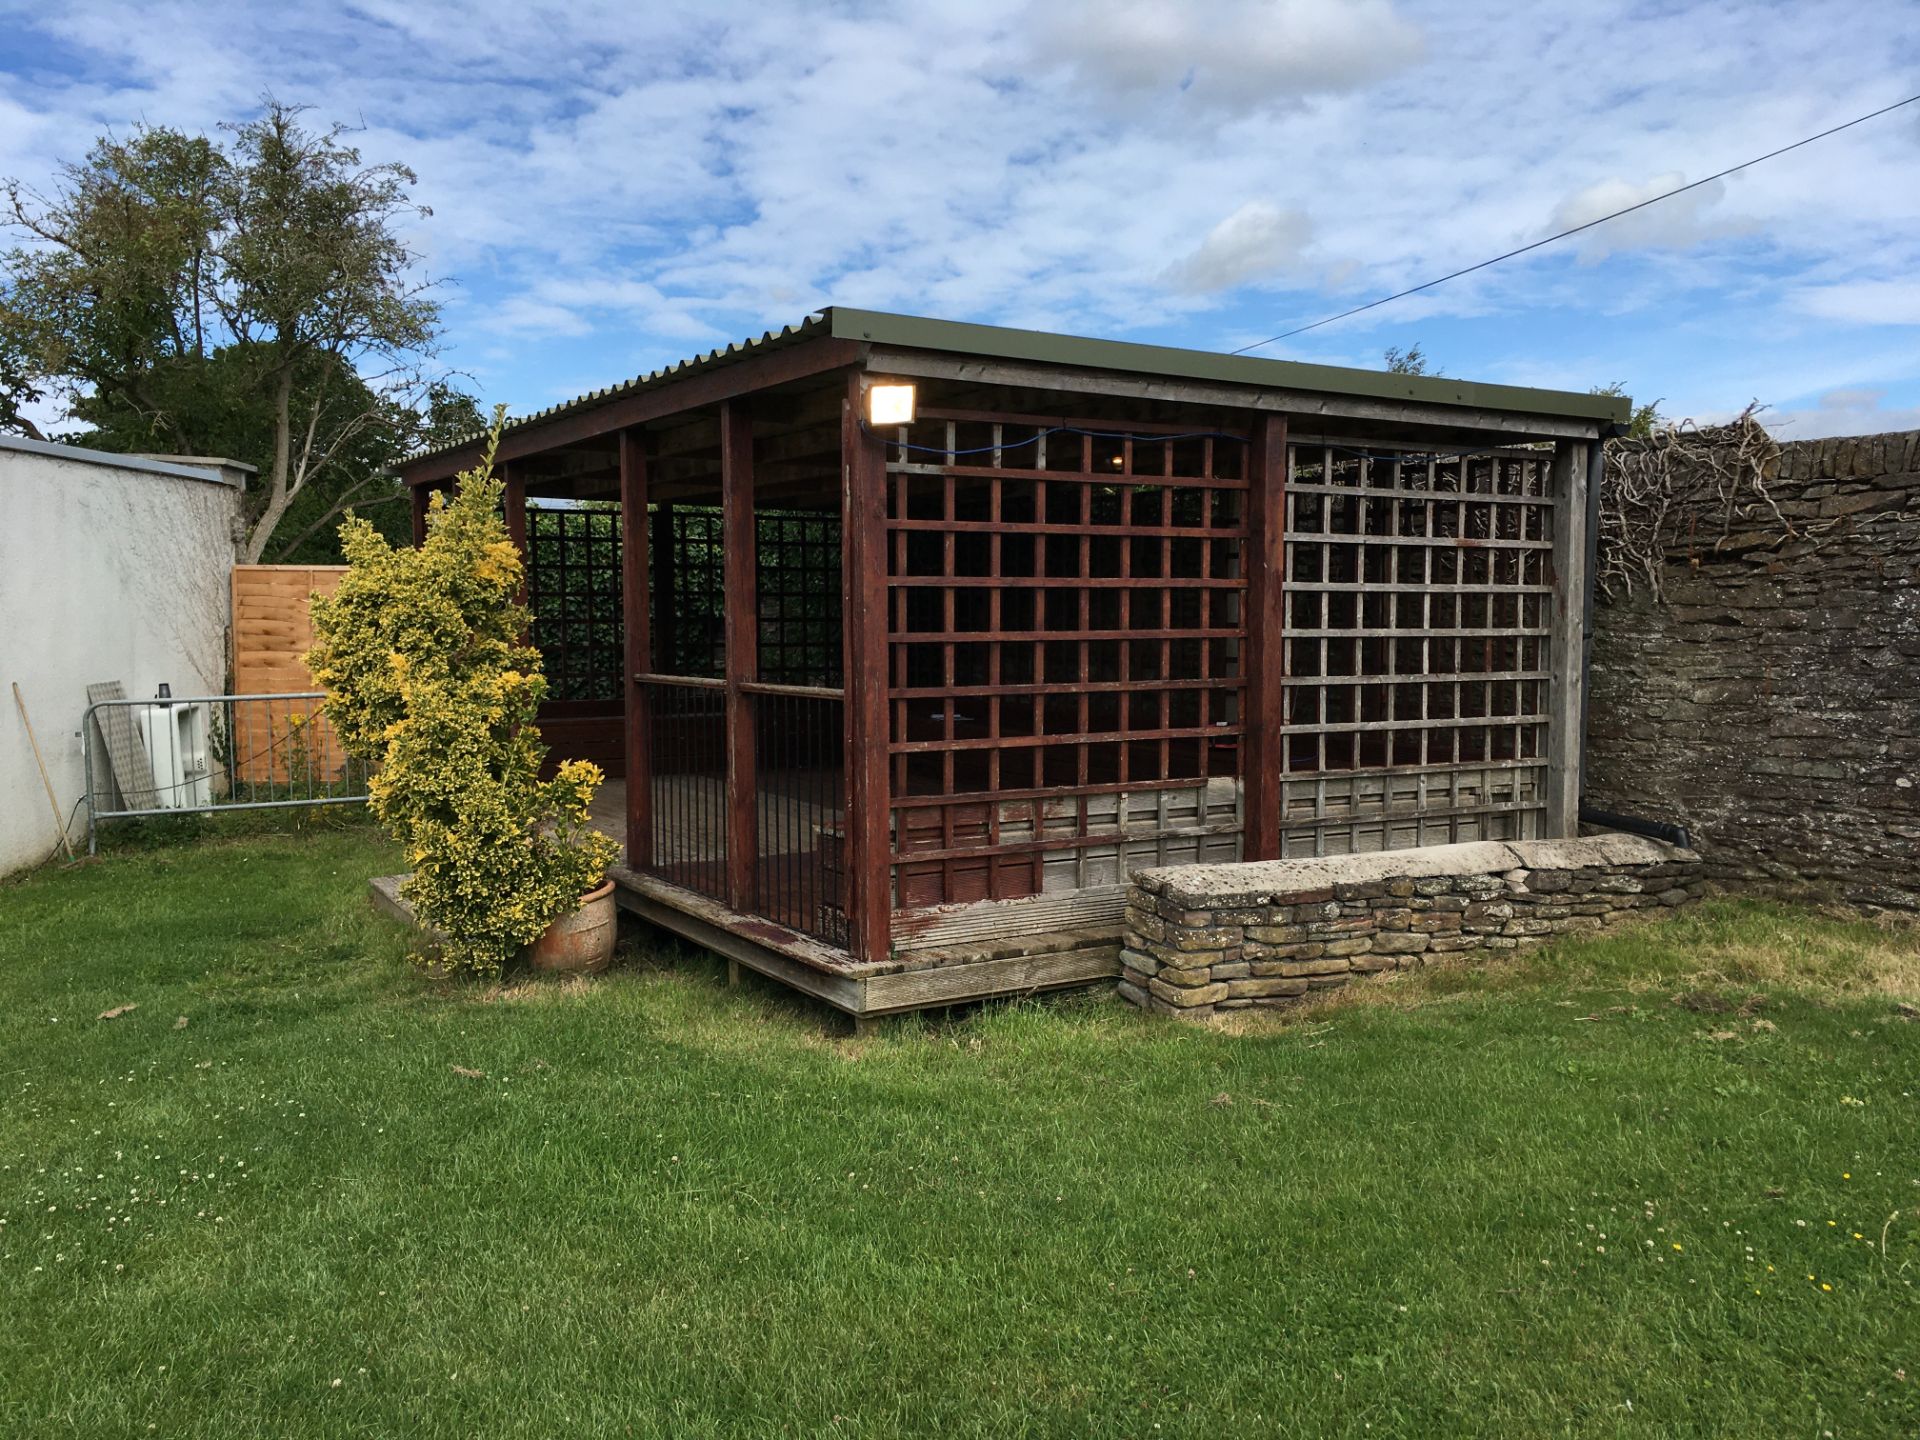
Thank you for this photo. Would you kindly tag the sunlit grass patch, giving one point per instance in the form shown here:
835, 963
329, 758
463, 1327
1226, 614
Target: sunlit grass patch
1592, 1190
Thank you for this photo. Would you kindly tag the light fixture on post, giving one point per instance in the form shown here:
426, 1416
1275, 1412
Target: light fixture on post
890, 402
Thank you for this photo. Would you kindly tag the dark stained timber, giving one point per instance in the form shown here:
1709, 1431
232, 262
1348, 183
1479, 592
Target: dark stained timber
1066, 626
637, 648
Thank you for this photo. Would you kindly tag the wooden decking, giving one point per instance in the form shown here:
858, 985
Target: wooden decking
911, 979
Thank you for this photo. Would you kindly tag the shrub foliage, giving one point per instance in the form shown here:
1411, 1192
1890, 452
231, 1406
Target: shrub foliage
428, 677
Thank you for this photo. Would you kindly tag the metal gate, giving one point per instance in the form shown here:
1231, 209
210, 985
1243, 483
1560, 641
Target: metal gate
197, 754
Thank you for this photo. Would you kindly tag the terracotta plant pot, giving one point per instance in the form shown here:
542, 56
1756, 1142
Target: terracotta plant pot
580, 943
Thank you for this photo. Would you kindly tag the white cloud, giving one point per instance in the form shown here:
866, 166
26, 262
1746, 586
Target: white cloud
1861, 302
633, 183
1256, 242
1679, 223
1234, 55
1850, 410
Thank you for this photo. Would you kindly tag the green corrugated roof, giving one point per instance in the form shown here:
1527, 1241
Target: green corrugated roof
957, 337
1039, 347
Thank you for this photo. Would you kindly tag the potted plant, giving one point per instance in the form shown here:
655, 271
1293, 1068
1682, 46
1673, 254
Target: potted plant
429, 679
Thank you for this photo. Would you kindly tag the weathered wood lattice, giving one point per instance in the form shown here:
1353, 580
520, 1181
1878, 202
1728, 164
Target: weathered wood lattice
1065, 631
1419, 609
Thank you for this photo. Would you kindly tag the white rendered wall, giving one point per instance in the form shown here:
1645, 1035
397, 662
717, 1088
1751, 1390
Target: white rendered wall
111, 568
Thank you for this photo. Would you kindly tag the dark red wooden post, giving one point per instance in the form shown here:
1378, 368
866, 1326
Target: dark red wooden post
513, 506
633, 604
741, 600
869, 844
660, 572
421, 497
1262, 762
513, 501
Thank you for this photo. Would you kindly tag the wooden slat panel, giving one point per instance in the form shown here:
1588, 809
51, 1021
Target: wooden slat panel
272, 630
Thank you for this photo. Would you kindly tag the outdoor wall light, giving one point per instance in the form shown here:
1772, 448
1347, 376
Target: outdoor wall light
890, 404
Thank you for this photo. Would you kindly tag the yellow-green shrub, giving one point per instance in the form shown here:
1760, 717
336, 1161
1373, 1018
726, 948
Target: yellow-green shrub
428, 678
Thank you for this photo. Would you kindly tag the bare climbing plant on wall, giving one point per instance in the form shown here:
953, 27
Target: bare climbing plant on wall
1686, 488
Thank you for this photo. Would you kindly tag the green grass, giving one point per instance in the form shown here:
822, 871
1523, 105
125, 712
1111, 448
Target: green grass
666, 1208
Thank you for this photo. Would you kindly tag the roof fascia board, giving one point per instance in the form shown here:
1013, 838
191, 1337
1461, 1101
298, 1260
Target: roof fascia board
670, 395
921, 364
907, 332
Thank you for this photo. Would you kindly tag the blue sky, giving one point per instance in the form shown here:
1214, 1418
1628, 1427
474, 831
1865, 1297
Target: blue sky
615, 185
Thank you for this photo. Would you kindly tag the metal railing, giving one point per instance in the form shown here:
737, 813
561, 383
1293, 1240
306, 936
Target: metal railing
798, 796
798, 743
198, 754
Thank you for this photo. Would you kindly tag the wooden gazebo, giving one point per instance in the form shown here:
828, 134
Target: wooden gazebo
909, 640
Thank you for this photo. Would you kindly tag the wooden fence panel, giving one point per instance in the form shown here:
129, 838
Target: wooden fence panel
271, 631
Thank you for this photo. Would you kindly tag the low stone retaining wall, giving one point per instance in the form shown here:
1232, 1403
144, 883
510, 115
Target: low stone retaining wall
1205, 938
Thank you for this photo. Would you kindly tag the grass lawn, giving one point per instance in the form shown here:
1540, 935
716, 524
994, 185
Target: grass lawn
301, 1190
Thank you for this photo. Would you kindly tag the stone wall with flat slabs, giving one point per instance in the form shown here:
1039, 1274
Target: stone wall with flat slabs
1202, 939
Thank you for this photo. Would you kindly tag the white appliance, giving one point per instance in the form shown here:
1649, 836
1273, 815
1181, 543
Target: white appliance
176, 741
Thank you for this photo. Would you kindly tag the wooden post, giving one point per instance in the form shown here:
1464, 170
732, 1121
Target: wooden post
513, 502
741, 599
513, 508
637, 714
1262, 760
660, 571
1568, 639
865, 605
421, 496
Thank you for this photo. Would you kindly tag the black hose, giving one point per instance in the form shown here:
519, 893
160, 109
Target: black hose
1638, 825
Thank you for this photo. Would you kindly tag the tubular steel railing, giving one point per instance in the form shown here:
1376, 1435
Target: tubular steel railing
797, 767
687, 720
197, 754
799, 788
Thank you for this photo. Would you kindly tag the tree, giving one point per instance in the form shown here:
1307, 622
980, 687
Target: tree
216, 403
253, 298
365, 484
110, 290
1411, 361
19, 387
1644, 420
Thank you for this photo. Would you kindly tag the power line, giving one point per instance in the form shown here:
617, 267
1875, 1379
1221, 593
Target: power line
1679, 190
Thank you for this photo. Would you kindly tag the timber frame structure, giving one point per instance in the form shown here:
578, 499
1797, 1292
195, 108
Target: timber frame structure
894, 713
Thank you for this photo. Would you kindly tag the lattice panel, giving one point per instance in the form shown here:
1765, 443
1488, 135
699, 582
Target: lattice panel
573, 589
1418, 612
797, 564
1065, 617
688, 573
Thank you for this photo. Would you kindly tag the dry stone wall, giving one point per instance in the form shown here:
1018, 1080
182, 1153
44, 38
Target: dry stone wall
1770, 702
1207, 938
